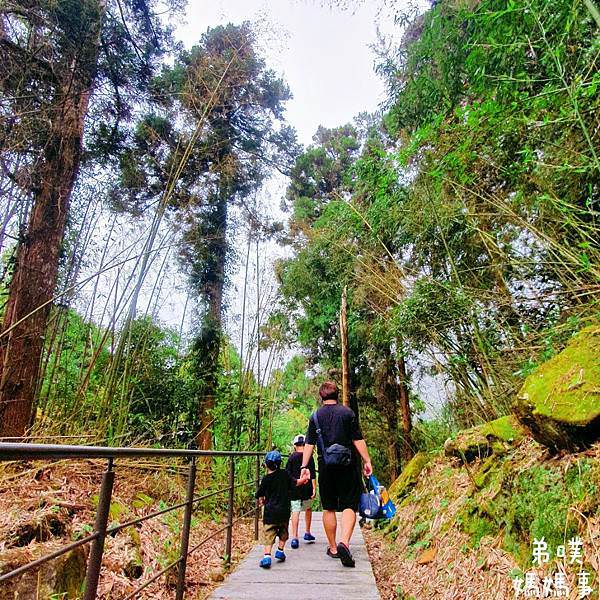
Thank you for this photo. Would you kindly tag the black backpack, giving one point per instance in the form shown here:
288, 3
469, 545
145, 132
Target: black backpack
335, 455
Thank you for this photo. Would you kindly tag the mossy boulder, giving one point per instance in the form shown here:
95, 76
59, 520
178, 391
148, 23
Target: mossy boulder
484, 440
560, 401
62, 577
409, 476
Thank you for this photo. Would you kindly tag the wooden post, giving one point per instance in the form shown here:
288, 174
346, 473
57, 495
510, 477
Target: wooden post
407, 450
344, 342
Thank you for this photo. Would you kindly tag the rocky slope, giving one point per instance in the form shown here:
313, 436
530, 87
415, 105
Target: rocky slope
466, 530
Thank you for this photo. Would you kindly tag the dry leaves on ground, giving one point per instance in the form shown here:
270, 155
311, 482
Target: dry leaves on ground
45, 505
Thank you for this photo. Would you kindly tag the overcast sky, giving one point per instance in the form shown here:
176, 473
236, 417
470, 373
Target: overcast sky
323, 53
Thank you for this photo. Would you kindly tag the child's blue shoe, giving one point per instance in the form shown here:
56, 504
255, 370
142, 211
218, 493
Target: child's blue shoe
309, 537
265, 563
279, 555
295, 544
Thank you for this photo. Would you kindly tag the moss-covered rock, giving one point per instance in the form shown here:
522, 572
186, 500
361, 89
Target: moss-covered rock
62, 577
560, 402
409, 476
484, 440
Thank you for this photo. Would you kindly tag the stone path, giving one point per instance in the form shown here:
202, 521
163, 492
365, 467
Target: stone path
306, 574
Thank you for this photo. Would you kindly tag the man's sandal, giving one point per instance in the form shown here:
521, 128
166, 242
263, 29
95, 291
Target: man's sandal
345, 555
332, 554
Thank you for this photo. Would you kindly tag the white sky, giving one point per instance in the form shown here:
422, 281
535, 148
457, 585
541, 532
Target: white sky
322, 53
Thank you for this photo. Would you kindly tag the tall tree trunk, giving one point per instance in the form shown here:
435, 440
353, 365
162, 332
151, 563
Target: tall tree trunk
407, 450
386, 392
212, 326
391, 390
36, 268
353, 397
394, 446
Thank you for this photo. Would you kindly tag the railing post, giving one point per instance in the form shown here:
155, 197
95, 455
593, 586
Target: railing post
229, 538
95, 560
185, 531
257, 505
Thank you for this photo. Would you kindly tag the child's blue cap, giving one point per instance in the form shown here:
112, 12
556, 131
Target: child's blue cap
273, 457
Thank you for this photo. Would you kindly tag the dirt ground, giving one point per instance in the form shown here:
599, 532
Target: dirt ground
46, 505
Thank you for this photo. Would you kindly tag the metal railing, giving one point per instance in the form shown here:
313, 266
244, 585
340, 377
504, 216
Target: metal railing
26, 451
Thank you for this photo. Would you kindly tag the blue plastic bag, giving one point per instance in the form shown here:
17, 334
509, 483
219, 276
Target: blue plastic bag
369, 506
388, 510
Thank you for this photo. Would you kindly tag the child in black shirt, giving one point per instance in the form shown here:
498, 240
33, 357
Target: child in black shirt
274, 492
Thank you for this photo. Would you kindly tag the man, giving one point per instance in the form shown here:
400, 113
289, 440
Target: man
302, 497
339, 486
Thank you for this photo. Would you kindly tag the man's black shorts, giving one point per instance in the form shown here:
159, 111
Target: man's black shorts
339, 487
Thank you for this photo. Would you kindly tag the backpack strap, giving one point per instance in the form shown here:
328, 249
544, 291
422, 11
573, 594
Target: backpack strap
320, 444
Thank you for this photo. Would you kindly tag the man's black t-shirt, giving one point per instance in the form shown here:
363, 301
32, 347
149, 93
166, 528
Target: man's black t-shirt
276, 488
338, 426
302, 492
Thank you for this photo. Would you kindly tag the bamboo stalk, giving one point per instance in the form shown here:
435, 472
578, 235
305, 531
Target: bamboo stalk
344, 343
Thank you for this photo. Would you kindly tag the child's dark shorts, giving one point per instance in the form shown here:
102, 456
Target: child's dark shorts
274, 530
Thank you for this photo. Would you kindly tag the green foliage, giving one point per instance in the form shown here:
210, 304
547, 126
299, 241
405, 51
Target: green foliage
431, 434
286, 426
133, 40
63, 396
322, 173
429, 301
476, 526
420, 538
312, 280
492, 119
430, 75
466, 226
152, 368
152, 381
171, 545
293, 396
